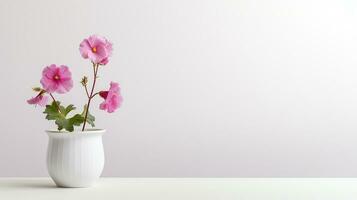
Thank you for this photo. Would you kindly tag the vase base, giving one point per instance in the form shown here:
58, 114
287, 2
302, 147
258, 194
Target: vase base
74, 185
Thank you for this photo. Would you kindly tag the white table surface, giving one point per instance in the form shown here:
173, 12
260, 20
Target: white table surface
184, 189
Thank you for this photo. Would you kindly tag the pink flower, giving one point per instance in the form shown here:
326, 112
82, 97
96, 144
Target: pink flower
56, 79
97, 49
38, 100
112, 98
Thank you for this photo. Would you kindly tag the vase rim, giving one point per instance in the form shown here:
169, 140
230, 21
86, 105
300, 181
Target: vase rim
91, 131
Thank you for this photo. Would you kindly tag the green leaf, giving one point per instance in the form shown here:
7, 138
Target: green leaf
61, 123
52, 111
37, 89
68, 124
68, 109
76, 120
59, 114
90, 118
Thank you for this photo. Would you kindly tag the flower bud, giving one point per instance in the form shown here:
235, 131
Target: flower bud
84, 81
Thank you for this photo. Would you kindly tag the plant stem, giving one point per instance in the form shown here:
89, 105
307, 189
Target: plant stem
85, 87
95, 71
94, 94
54, 100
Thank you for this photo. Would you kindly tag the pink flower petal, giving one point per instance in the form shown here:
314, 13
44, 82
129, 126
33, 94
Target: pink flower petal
96, 48
84, 48
38, 100
112, 98
104, 61
57, 79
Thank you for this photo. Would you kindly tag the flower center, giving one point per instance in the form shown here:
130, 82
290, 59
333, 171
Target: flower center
56, 77
94, 49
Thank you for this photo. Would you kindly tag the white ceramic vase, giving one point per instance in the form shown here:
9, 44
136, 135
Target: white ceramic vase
75, 159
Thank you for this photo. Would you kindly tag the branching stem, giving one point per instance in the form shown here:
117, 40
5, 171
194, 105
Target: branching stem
95, 71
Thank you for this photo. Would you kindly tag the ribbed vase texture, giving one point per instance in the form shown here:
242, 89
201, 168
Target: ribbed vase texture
75, 159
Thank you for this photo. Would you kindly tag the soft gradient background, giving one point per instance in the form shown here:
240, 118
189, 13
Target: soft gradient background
225, 88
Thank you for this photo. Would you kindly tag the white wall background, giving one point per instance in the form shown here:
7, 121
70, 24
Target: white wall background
212, 88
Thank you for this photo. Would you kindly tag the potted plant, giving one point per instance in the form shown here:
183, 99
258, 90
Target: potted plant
75, 155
